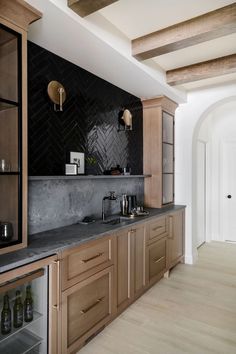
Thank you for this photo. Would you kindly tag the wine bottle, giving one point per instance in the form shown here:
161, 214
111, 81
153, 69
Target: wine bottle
28, 305
18, 311
6, 316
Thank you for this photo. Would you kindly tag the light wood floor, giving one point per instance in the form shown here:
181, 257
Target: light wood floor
194, 311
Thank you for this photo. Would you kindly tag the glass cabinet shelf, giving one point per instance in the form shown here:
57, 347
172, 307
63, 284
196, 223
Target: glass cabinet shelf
20, 343
6, 104
12, 173
4, 337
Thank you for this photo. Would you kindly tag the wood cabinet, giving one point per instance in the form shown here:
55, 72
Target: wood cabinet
103, 277
86, 307
158, 150
157, 229
15, 16
130, 265
81, 262
175, 240
156, 262
124, 259
88, 291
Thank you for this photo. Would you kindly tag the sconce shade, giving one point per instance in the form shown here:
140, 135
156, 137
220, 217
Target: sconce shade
127, 117
56, 93
125, 120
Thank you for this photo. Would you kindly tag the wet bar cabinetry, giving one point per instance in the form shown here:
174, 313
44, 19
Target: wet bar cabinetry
158, 149
15, 16
103, 277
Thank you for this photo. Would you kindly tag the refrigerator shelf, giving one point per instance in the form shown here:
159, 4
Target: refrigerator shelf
14, 331
21, 343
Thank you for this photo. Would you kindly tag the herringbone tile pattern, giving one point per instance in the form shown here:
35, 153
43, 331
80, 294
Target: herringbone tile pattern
88, 122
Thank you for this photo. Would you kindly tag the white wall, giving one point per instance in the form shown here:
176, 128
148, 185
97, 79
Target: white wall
223, 130
189, 117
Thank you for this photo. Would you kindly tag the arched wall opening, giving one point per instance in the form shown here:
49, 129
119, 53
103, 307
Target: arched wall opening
189, 117
214, 132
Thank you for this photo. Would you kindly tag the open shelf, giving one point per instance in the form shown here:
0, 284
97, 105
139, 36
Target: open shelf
20, 343
80, 177
7, 104
9, 173
14, 331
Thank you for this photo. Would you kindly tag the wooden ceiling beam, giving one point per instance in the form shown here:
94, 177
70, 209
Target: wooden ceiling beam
199, 29
86, 7
204, 70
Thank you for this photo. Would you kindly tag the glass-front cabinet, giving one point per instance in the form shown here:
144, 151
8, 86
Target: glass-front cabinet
15, 16
158, 146
167, 158
10, 138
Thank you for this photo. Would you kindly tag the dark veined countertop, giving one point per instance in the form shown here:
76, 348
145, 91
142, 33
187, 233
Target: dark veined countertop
48, 243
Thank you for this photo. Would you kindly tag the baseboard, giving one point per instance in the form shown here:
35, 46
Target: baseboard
191, 258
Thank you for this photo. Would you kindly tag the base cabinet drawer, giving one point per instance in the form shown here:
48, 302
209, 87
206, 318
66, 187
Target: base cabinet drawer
156, 260
86, 307
87, 260
157, 229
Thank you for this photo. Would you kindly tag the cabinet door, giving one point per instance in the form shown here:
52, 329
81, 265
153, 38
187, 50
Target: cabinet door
175, 238
82, 262
156, 260
124, 288
138, 241
86, 308
54, 309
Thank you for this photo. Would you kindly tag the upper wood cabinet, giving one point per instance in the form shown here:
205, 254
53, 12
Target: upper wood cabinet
158, 150
15, 16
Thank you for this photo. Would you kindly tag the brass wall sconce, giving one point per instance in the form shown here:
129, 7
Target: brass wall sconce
57, 95
125, 120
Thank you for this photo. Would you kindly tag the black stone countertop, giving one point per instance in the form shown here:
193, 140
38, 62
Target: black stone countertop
48, 243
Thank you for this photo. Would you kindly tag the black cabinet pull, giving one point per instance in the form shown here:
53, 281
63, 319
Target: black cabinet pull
229, 196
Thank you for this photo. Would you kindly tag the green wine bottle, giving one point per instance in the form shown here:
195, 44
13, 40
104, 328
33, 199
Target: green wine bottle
6, 316
28, 305
18, 311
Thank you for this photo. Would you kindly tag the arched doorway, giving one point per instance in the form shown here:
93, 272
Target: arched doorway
214, 174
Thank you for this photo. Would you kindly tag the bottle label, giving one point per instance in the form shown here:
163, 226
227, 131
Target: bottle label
28, 313
6, 326
19, 317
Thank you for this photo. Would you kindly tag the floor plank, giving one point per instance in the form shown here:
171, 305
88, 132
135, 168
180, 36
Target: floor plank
193, 312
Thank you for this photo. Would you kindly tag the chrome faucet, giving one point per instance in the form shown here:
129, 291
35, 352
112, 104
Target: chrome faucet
111, 196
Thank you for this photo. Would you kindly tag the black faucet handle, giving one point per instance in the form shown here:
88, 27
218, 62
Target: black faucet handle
112, 195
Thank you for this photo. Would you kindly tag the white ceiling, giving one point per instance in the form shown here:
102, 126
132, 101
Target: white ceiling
136, 18
101, 42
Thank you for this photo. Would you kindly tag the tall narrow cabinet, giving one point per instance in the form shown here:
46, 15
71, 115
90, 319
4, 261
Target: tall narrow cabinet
158, 148
15, 16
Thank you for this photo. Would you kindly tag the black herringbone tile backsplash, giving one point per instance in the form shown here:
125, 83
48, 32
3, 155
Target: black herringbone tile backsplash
88, 122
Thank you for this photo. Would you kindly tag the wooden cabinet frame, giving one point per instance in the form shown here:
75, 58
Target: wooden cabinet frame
152, 148
17, 15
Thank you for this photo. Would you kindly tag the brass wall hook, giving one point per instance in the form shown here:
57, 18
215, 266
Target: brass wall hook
57, 94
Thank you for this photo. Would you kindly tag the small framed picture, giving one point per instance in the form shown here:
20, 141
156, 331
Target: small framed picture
71, 169
78, 159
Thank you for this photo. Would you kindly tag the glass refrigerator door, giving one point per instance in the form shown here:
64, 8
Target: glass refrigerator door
31, 335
